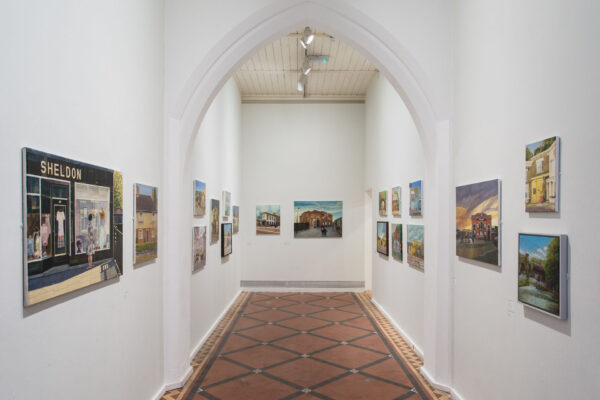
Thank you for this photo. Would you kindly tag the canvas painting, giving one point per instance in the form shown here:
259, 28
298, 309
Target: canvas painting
268, 219
543, 273
226, 204
382, 238
397, 201
226, 239
416, 198
383, 203
214, 221
199, 247
397, 241
199, 199
236, 219
72, 225
542, 175
146, 223
477, 221
318, 219
416, 246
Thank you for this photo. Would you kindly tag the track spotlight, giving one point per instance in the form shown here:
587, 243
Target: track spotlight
302, 83
306, 68
307, 37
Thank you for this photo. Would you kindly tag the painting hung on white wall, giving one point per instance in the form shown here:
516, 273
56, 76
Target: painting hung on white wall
236, 219
397, 201
542, 175
383, 203
543, 273
146, 223
416, 246
416, 198
226, 239
72, 225
198, 247
318, 219
268, 219
226, 204
214, 221
382, 238
199, 199
477, 221
397, 241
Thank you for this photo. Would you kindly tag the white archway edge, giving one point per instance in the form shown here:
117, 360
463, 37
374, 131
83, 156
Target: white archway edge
431, 117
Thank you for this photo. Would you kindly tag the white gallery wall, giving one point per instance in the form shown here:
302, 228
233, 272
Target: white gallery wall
214, 158
394, 157
302, 152
527, 71
83, 82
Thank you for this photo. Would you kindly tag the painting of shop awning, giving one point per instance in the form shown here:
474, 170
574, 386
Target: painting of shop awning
146, 223
318, 219
72, 225
477, 221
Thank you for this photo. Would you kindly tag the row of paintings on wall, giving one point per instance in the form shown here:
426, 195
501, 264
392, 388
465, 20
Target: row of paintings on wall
415, 243
199, 244
312, 219
415, 204
200, 206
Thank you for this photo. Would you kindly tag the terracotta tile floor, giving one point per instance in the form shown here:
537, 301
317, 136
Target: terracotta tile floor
292, 345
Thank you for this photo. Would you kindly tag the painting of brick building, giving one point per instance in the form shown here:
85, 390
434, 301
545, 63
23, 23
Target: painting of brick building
318, 219
542, 175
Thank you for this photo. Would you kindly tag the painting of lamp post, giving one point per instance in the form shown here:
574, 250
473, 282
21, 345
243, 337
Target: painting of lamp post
318, 219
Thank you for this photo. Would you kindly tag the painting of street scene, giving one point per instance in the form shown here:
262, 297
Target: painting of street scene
226, 204
199, 247
268, 219
397, 201
146, 223
318, 219
542, 175
214, 221
416, 198
383, 203
236, 219
477, 221
226, 239
397, 241
382, 237
540, 272
199, 198
416, 246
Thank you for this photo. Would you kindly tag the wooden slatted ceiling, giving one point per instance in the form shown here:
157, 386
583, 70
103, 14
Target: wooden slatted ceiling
272, 73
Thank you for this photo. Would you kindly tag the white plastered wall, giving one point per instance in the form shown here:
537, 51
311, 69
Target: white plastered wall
215, 160
83, 82
394, 157
302, 152
527, 71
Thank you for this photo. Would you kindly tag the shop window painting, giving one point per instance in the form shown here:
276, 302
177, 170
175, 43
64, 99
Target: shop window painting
72, 235
146, 223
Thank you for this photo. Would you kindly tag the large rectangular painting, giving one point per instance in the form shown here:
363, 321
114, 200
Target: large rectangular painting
146, 223
477, 221
226, 239
542, 175
226, 204
72, 225
236, 219
199, 199
382, 238
543, 273
198, 247
214, 221
383, 203
268, 219
397, 241
416, 198
416, 246
397, 201
318, 219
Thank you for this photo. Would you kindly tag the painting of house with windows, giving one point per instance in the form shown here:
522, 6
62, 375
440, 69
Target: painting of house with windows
416, 198
542, 175
146, 223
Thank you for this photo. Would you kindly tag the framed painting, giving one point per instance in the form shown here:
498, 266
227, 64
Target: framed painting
383, 203
198, 247
318, 219
214, 221
382, 238
146, 223
268, 219
226, 204
397, 241
397, 201
236, 219
226, 239
416, 246
416, 199
199, 199
542, 175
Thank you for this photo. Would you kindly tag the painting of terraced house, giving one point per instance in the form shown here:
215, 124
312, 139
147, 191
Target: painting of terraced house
268, 219
477, 221
542, 175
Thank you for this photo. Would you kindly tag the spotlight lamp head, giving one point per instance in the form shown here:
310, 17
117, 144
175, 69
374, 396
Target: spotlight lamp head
307, 37
306, 68
302, 83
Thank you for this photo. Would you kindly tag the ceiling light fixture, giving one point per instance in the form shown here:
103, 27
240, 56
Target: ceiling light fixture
306, 68
302, 83
307, 37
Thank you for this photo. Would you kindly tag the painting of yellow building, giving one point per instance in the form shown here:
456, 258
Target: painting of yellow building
146, 223
542, 175
416, 247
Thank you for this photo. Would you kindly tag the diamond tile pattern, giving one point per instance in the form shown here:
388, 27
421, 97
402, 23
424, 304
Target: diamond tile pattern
300, 345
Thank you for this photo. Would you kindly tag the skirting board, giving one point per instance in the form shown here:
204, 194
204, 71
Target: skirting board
416, 348
433, 383
165, 388
333, 285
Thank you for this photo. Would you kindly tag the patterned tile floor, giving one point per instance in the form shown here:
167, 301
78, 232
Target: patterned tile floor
305, 345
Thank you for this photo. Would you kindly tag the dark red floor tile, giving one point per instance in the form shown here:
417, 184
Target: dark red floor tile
333, 315
303, 323
252, 387
268, 333
360, 387
340, 332
360, 322
331, 303
302, 297
245, 322
372, 342
236, 342
354, 308
306, 372
305, 343
348, 356
261, 356
252, 308
270, 303
221, 370
273, 315
390, 370
302, 308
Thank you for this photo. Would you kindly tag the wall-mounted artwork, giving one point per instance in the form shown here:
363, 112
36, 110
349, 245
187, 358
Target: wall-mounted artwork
382, 238
146, 223
268, 219
318, 219
477, 221
383, 203
226, 239
542, 175
199, 247
199, 199
543, 273
226, 204
236, 219
416, 198
214, 221
397, 241
72, 225
397, 201
416, 246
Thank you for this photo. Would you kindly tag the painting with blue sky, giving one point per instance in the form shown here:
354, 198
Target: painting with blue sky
199, 198
382, 237
268, 219
416, 198
416, 246
318, 219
